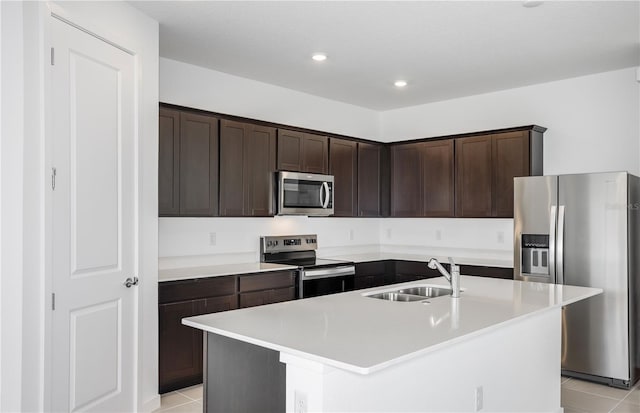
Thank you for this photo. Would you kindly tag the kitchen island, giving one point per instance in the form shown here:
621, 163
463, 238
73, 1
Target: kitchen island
496, 348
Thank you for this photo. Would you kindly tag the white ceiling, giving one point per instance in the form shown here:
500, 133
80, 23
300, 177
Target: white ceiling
442, 49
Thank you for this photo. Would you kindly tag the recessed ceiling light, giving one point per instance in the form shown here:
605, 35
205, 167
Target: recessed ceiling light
531, 3
319, 57
400, 83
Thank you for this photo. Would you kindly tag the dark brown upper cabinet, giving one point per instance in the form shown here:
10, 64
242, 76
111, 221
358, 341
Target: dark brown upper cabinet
406, 182
302, 152
187, 164
438, 174
371, 183
169, 163
423, 179
511, 158
474, 177
198, 165
247, 165
343, 165
486, 166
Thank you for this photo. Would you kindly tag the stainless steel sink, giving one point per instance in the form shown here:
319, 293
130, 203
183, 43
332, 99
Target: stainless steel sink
426, 291
409, 294
394, 296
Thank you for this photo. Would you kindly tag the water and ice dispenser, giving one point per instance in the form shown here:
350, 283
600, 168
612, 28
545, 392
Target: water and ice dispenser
535, 254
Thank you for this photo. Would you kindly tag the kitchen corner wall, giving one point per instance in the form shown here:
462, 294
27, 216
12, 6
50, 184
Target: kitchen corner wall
593, 121
593, 125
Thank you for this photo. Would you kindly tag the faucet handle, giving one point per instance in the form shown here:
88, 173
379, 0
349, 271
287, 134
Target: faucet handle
451, 262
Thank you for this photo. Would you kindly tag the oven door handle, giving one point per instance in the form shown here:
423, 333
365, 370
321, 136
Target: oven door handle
328, 272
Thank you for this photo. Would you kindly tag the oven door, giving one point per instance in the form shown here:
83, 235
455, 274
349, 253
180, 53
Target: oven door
305, 194
326, 280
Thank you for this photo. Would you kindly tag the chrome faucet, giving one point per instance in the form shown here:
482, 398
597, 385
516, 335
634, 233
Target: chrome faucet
453, 278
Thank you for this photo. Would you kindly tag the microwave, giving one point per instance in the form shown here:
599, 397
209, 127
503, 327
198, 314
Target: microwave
301, 193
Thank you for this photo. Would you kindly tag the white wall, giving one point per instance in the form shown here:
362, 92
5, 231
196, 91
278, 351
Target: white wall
236, 239
197, 87
593, 121
11, 185
593, 125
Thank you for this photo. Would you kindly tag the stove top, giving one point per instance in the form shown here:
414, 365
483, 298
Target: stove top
311, 262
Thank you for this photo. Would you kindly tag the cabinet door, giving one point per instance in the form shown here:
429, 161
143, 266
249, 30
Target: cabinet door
198, 165
369, 185
406, 185
169, 163
232, 144
180, 347
260, 165
290, 150
510, 159
473, 177
315, 154
343, 160
438, 179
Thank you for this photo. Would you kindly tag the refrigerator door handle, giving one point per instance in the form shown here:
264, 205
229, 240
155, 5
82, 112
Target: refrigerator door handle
552, 243
560, 248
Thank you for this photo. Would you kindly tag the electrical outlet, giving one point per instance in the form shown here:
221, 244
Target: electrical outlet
212, 238
388, 233
299, 402
500, 237
479, 398
351, 235
438, 235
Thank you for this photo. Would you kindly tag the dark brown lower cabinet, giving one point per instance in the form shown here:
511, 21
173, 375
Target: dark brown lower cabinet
373, 274
266, 288
380, 273
255, 298
180, 347
491, 272
406, 271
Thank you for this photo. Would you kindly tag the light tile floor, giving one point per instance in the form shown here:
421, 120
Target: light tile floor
585, 397
187, 400
577, 397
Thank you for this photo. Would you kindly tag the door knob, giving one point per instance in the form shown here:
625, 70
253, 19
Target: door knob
130, 282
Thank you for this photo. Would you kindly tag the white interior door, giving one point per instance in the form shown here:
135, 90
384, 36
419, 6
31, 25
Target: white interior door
93, 252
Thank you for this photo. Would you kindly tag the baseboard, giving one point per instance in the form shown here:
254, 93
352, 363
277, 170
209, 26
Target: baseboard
151, 405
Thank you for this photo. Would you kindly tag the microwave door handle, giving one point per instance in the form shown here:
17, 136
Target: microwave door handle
325, 201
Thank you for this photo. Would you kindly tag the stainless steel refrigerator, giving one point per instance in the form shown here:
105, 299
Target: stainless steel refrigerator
584, 230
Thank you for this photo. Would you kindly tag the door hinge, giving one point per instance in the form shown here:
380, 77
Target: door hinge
53, 178
53, 301
52, 57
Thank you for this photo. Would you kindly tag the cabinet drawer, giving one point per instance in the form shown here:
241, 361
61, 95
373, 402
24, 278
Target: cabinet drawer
266, 281
171, 291
255, 298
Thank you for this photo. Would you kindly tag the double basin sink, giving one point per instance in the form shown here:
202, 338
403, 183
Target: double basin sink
409, 294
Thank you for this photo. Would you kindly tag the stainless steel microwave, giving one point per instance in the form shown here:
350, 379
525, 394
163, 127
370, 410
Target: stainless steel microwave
301, 193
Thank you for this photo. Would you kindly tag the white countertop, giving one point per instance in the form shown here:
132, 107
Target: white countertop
176, 274
363, 335
460, 260
203, 271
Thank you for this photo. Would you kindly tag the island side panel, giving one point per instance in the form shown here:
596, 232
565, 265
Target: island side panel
242, 377
517, 366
